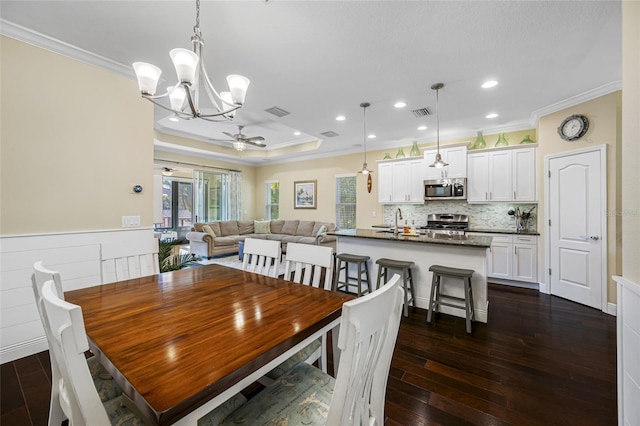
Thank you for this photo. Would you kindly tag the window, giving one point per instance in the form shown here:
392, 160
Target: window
346, 201
273, 200
177, 201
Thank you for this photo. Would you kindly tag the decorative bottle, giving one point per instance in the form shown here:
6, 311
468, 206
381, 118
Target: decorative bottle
387, 156
415, 151
406, 227
527, 139
502, 141
480, 143
400, 153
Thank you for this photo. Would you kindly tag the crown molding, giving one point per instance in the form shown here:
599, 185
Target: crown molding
574, 100
18, 32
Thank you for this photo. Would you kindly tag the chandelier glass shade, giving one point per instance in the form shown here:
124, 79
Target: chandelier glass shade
438, 163
365, 168
184, 95
239, 146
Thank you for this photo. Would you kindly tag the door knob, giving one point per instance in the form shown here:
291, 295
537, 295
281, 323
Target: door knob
590, 237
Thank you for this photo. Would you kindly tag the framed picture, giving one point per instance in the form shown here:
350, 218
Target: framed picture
304, 194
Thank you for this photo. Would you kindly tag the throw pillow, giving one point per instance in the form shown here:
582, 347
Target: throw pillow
208, 230
261, 226
322, 230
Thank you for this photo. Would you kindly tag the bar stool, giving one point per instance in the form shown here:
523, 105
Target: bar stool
434, 299
385, 264
358, 260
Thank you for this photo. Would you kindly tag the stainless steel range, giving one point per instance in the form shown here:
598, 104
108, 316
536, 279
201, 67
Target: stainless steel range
446, 224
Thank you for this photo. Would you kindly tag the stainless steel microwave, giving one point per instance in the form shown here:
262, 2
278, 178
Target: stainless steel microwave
445, 189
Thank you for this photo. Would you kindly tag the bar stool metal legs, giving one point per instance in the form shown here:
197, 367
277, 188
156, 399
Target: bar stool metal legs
342, 263
385, 264
435, 298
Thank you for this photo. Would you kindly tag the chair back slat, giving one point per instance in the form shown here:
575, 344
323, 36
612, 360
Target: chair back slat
307, 263
264, 254
78, 397
368, 333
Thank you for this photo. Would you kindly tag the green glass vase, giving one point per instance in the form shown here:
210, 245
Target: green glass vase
527, 139
415, 151
387, 156
502, 141
480, 143
400, 153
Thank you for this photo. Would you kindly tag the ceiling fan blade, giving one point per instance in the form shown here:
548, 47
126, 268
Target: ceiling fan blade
230, 135
256, 143
254, 139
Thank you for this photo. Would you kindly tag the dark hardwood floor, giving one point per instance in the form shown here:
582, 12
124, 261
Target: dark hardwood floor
540, 360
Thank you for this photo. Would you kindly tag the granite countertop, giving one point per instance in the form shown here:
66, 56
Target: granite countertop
456, 240
502, 231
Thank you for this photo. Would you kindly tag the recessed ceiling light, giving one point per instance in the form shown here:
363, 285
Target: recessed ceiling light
174, 119
296, 133
489, 84
341, 118
492, 115
422, 128
400, 104
371, 136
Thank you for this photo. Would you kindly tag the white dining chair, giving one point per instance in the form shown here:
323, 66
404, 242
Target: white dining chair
105, 385
262, 256
306, 264
309, 265
78, 397
306, 395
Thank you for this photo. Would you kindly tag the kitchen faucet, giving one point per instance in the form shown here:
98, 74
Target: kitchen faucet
395, 230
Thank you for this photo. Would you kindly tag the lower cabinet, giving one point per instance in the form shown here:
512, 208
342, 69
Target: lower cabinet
513, 257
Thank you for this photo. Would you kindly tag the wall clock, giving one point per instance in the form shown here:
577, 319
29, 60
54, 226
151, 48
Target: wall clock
573, 127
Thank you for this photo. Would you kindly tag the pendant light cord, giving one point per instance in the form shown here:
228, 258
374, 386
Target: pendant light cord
438, 119
364, 121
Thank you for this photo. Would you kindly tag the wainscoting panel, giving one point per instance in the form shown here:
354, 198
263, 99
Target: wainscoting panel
78, 256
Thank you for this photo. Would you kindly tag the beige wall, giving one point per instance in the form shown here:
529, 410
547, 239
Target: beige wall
630, 213
604, 129
75, 139
324, 170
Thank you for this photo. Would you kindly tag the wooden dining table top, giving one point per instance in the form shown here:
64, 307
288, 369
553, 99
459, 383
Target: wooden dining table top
180, 338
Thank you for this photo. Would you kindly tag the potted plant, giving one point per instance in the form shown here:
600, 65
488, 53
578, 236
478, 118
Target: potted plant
170, 261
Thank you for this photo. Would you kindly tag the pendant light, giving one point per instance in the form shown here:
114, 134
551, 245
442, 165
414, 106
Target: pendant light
438, 163
365, 169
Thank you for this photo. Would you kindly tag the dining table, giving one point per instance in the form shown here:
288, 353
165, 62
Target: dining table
182, 343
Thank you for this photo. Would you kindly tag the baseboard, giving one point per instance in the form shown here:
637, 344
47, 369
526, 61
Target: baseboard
612, 309
23, 349
512, 283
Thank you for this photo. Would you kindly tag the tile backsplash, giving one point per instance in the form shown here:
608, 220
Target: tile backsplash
481, 216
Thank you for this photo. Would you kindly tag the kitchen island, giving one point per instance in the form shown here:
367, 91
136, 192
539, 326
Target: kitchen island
456, 251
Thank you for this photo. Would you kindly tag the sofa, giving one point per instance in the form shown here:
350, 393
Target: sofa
217, 238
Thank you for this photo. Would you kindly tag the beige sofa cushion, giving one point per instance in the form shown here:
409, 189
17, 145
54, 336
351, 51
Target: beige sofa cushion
305, 228
245, 227
229, 227
276, 226
226, 241
290, 227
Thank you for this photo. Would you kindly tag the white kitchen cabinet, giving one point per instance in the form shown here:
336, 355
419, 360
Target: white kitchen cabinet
401, 181
513, 257
501, 175
524, 174
385, 182
455, 156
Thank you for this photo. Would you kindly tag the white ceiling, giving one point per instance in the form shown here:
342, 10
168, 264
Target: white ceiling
319, 59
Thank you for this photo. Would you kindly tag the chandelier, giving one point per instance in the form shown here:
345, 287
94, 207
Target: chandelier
184, 96
365, 169
438, 163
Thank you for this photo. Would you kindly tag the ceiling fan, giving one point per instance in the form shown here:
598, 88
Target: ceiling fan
240, 140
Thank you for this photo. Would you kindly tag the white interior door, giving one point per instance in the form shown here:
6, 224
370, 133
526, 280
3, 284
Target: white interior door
577, 201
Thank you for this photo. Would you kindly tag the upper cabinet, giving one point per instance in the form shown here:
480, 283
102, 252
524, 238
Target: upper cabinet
401, 181
455, 156
501, 175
